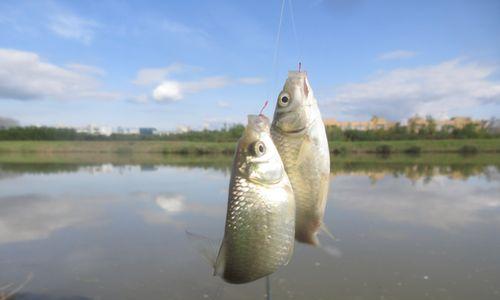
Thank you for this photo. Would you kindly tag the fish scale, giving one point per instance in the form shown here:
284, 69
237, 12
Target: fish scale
299, 135
259, 238
303, 175
260, 221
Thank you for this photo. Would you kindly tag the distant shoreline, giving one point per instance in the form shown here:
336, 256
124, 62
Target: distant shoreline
465, 146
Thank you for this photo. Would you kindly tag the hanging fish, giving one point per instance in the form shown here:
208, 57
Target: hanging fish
260, 220
299, 135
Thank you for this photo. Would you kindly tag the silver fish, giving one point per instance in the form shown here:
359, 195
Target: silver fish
260, 220
299, 135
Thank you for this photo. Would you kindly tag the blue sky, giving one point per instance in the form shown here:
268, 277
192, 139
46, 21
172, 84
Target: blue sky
203, 63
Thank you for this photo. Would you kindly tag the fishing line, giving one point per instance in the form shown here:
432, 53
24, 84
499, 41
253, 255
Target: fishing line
298, 47
274, 71
268, 287
277, 44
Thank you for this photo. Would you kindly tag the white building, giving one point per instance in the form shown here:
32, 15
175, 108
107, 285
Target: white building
95, 130
182, 129
125, 130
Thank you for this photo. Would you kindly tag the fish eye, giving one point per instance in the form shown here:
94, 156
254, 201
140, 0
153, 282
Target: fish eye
284, 100
258, 148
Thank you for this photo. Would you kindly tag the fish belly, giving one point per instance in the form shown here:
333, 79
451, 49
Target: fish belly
259, 233
307, 164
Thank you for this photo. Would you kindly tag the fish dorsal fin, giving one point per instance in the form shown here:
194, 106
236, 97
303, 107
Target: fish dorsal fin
205, 246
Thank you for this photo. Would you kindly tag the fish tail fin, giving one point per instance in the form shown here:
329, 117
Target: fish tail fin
332, 251
325, 230
205, 246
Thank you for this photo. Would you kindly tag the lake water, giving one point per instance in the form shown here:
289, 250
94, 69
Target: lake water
406, 229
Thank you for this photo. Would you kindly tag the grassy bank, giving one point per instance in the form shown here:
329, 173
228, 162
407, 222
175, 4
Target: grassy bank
464, 146
185, 148
117, 147
226, 160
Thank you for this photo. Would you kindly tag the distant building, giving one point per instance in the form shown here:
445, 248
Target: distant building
95, 130
147, 131
417, 122
163, 132
182, 129
460, 122
374, 123
123, 130
413, 123
120, 130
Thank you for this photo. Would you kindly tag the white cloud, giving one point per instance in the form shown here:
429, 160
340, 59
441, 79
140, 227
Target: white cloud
25, 76
140, 99
185, 32
438, 90
70, 26
92, 70
176, 27
223, 104
206, 83
251, 80
173, 90
148, 76
168, 91
397, 54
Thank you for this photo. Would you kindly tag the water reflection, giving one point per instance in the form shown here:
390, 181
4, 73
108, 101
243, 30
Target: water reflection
441, 202
421, 172
407, 229
33, 296
174, 206
452, 166
28, 217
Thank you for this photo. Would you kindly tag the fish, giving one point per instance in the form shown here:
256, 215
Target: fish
260, 220
299, 134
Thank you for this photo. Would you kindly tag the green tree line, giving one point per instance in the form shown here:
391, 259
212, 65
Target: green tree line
399, 132
228, 134
231, 134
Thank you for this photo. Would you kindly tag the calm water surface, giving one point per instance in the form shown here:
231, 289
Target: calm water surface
117, 231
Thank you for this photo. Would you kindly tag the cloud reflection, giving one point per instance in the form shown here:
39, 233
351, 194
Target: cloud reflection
35, 216
171, 205
173, 208
439, 202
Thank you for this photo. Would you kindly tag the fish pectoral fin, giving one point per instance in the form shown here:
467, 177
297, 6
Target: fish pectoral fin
220, 261
325, 230
205, 246
305, 148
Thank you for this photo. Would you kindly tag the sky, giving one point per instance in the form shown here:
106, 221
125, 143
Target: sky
167, 64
